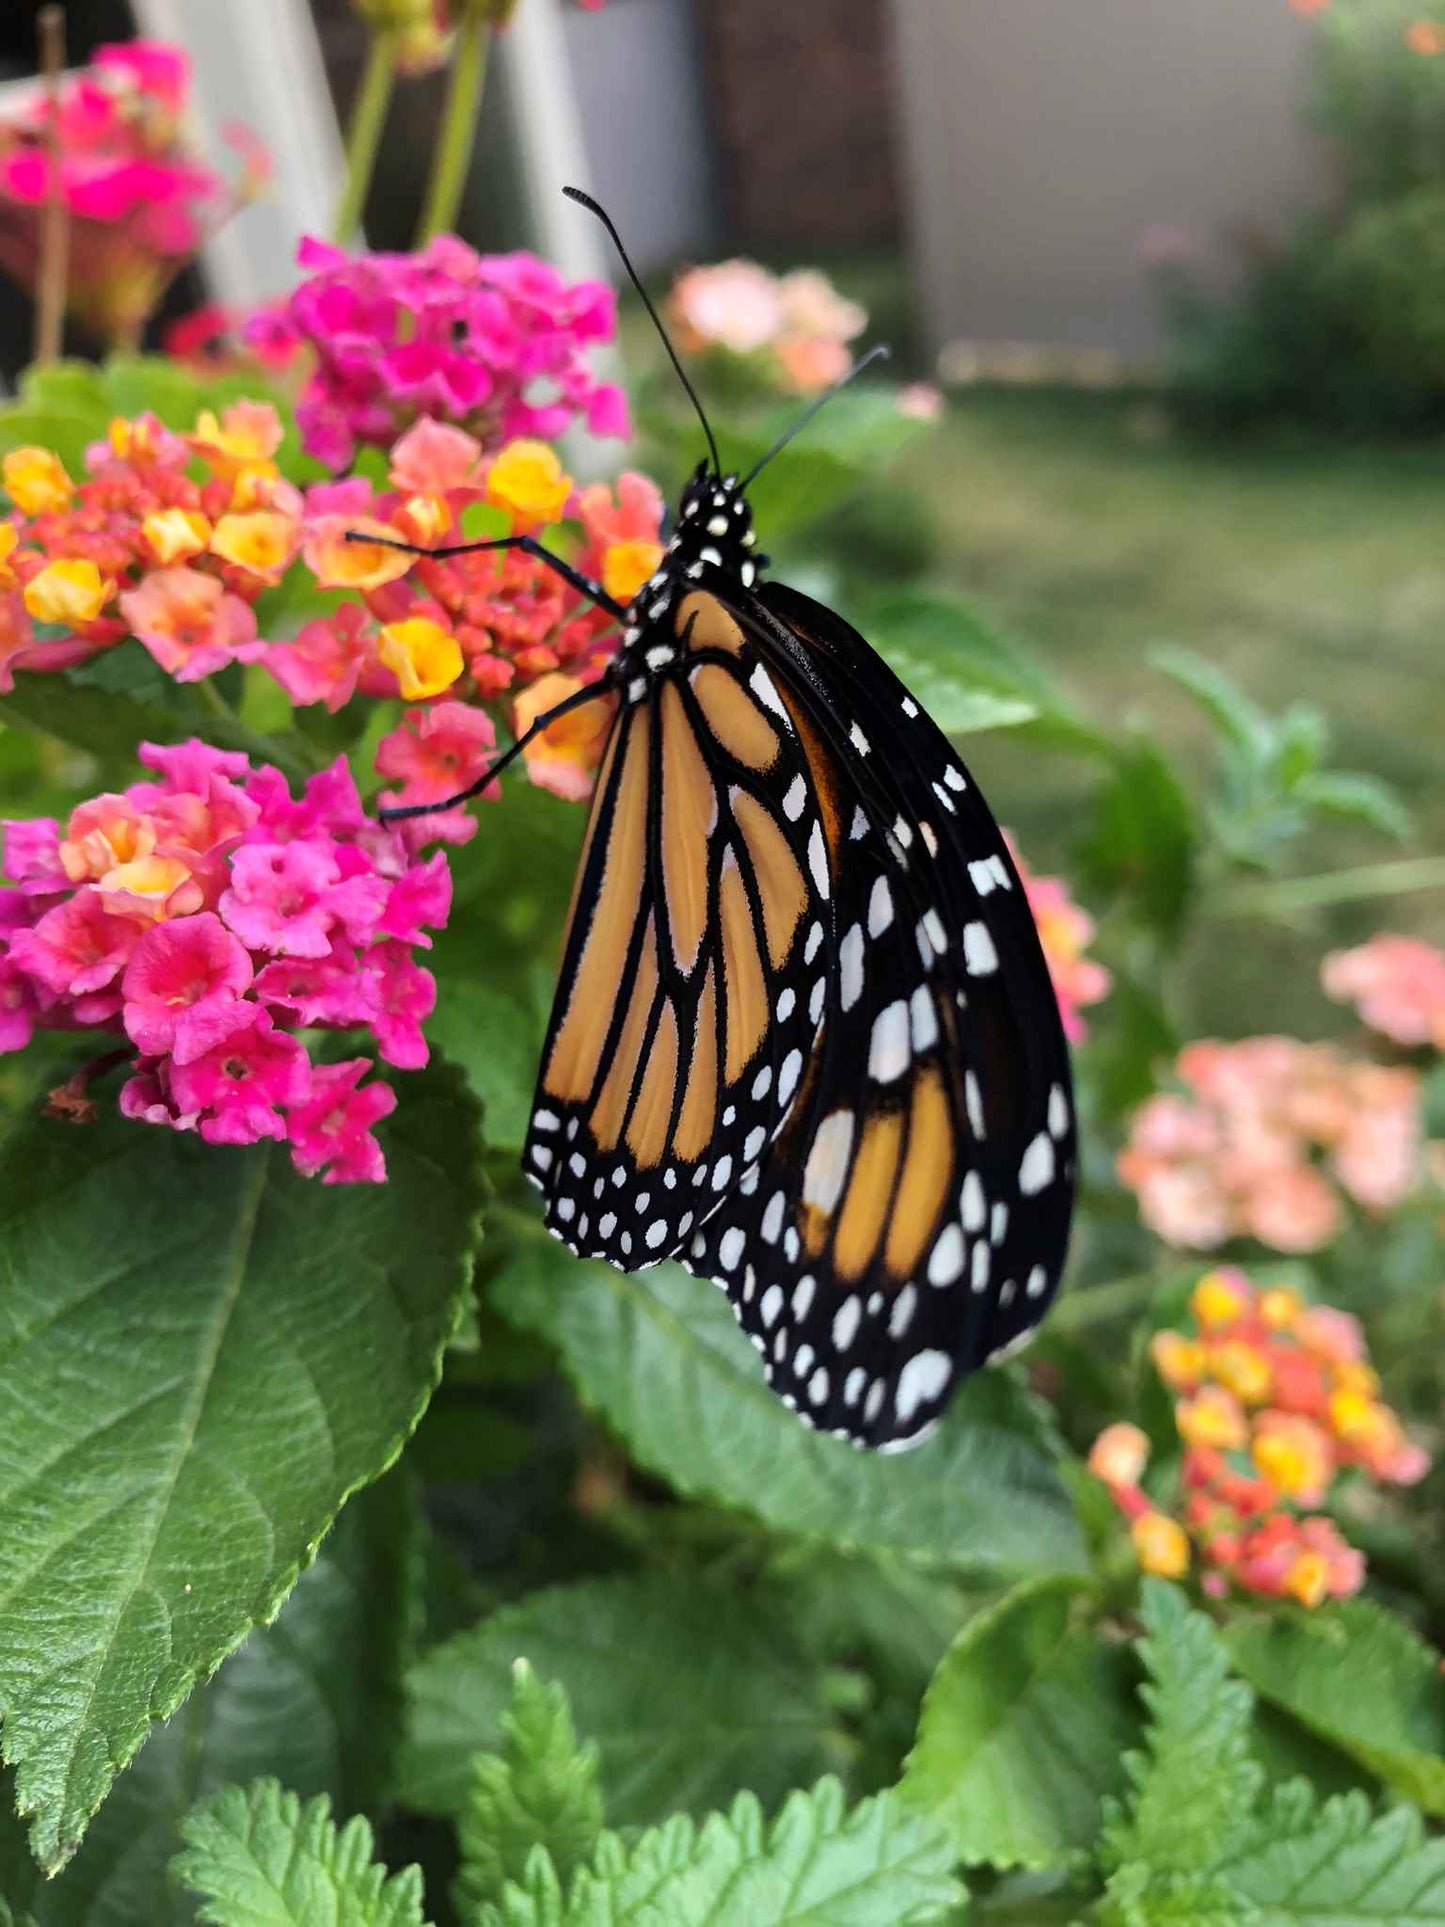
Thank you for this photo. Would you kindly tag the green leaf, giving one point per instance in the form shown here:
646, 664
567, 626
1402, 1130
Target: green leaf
543, 1793
856, 435
661, 1356
496, 961
817, 1865
690, 1692
1142, 841
201, 1356
314, 1699
1241, 721
1195, 1784
1137, 1898
1392, 1717
1357, 798
103, 722
62, 429
77, 387
259, 1858
1023, 1730
1338, 1866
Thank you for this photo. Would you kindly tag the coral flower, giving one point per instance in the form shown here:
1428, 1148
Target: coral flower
190, 623
1397, 984
437, 751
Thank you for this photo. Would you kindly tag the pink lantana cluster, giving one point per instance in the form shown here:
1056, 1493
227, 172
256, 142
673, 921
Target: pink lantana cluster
494, 343
1276, 1405
1397, 985
168, 538
140, 200
794, 328
204, 917
1268, 1139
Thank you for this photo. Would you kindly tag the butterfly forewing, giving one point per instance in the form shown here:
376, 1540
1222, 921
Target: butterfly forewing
692, 983
910, 1220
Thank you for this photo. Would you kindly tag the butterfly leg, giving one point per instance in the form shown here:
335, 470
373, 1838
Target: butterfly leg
528, 544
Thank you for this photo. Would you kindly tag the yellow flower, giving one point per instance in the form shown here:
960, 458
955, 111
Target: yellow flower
9, 536
1211, 1417
1361, 1380
1218, 1299
36, 481
70, 592
261, 541
626, 566
1160, 1545
1242, 1369
1119, 1454
144, 887
175, 535
424, 657
1308, 1579
1294, 1455
1279, 1307
1179, 1361
246, 436
529, 482
130, 440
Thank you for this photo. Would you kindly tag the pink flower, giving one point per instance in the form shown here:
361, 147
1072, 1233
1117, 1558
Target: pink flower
190, 623
734, 304
333, 990
1397, 984
1065, 931
184, 986
432, 457
286, 898
32, 854
921, 401
405, 995
421, 896
76, 947
325, 660
436, 751
18, 1007
330, 1130
239, 1089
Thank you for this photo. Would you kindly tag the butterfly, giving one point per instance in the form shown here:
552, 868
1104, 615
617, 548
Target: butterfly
804, 1038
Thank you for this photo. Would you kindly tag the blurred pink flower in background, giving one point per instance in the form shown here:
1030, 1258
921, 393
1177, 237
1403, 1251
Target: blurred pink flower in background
1397, 984
796, 327
140, 201
1065, 931
1268, 1135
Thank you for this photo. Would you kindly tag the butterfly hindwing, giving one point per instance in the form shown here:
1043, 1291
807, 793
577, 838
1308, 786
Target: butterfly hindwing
692, 980
910, 1220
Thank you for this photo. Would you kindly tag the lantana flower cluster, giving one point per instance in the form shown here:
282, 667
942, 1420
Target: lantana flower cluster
1268, 1139
168, 538
140, 201
1276, 1406
1397, 986
795, 328
204, 917
492, 343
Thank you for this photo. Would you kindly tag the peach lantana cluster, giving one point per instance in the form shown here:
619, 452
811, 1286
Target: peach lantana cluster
168, 538
1396, 984
1268, 1139
1065, 931
795, 327
1275, 1403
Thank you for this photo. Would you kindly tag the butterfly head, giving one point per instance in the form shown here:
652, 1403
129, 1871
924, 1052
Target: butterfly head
714, 528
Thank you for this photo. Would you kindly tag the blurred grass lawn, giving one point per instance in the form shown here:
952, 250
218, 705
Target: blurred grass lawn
1087, 530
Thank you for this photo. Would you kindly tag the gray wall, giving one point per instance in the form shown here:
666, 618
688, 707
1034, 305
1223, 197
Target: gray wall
1044, 138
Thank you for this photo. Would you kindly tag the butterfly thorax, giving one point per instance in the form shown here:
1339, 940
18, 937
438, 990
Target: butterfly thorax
713, 531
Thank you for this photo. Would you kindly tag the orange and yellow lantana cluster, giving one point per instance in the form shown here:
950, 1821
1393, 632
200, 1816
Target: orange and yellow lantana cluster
1276, 1401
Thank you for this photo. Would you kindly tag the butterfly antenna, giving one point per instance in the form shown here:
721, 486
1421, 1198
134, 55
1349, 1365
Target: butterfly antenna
880, 353
594, 207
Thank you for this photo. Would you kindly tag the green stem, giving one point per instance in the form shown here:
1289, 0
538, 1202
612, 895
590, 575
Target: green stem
452, 158
363, 140
1091, 1304
1338, 886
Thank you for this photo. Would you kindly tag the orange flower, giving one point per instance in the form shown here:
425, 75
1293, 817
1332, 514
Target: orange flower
1119, 1454
1179, 1361
529, 482
626, 566
565, 756
1160, 1545
1425, 37
339, 564
246, 436
9, 536
1308, 7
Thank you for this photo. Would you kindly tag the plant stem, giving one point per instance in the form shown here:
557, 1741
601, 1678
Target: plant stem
452, 158
363, 139
1338, 886
55, 217
1090, 1304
